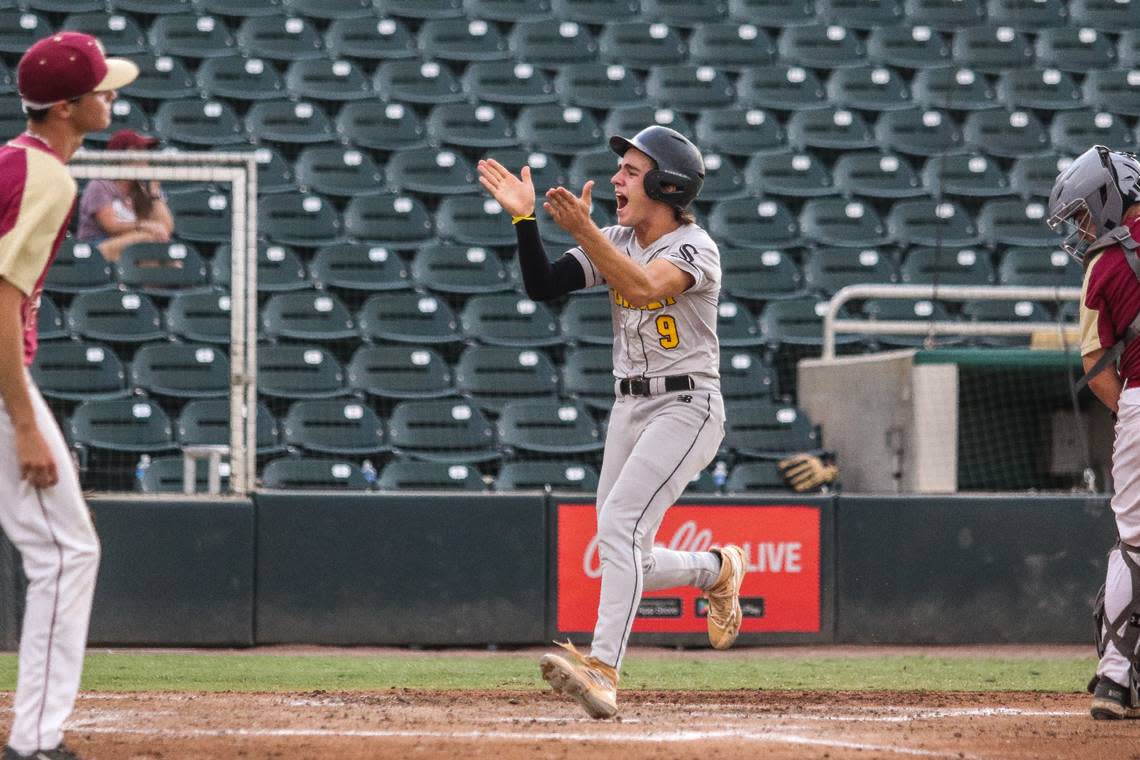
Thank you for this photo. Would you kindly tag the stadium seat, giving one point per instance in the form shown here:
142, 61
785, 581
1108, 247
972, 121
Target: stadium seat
77, 268
283, 121
598, 85
782, 87
596, 11
190, 36
971, 175
115, 316
876, 175
165, 474
830, 128
1027, 15
1034, 175
543, 476
337, 81
736, 324
797, 322
1074, 131
119, 33
587, 319
388, 219
280, 38
8, 85
775, 12
474, 220
953, 88
274, 171
992, 50
768, 430
511, 11
558, 130
294, 371
759, 275
161, 78
181, 370
508, 319
545, 171
820, 46
1102, 15
162, 268
641, 44
731, 45
1047, 89
530, 427
337, 171
200, 317
918, 131
588, 375
724, 180
843, 222
332, 9
1034, 268
796, 174
374, 39
307, 315
752, 477
59, 6
299, 218
1007, 312
450, 268
743, 375
685, 13
945, 15
493, 375
299, 473
125, 114
952, 265
381, 126
442, 430
754, 222
508, 82
242, 8
1013, 221
597, 165
74, 371
908, 47
689, 88
461, 39
470, 125
860, 14
1115, 91
49, 320
924, 221
279, 268
408, 317
414, 81
421, 9
551, 45
20, 29
121, 426
333, 426
908, 310
404, 475
1078, 50
399, 372
868, 88
1009, 134
739, 132
828, 269
358, 267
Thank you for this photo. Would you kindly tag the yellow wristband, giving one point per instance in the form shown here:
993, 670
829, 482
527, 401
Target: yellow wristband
517, 219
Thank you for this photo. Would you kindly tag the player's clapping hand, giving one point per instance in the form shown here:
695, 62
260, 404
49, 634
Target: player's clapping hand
514, 194
571, 212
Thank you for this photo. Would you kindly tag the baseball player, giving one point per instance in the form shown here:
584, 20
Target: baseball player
663, 272
1094, 205
66, 85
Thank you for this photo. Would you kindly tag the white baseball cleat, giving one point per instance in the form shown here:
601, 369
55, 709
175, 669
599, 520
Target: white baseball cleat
588, 680
724, 615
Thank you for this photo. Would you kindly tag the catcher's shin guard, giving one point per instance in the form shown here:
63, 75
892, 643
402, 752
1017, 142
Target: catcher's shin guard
1123, 630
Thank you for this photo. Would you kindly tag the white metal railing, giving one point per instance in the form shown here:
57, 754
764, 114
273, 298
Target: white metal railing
833, 325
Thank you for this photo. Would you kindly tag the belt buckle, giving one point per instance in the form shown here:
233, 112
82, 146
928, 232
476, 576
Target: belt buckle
639, 386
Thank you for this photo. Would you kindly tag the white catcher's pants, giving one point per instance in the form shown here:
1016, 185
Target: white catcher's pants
52, 529
654, 447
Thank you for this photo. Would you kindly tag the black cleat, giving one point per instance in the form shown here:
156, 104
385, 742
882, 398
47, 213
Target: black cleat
1111, 701
59, 753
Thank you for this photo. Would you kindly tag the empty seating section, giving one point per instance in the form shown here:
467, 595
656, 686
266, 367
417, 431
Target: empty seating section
845, 142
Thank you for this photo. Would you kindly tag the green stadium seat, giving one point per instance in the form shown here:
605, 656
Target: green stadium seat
739, 132
782, 87
181, 370
820, 46
470, 125
280, 38
279, 268
736, 325
908, 47
768, 430
1078, 50
164, 475
161, 78
919, 131
49, 320
588, 375
925, 221
115, 316
293, 371
77, 268
74, 371
449, 268
191, 36
300, 473
797, 321
743, 375
1047, 89
1115, 91
954, 88
414, 81
731, 46
240, 79
558, 130
970, 175
373, 39
152, 7
596, 11
1013, 221
950, 265
1034, 268
242, 8
358, 267
992, 50
403, 475
301, 219
119, 33
860, 14
1035, 175
333, 426
877, 175
274, 171
400, 372
869, 88
1007, 312
474, 220
908, 310
121, 426
333, 10
461, 39
493, 375
843, 222
588, 319
337, 171
1103, 15
1027, 15
337, 81
62, 6
945, 15
723, 179
508, 82
830, 128
200, 317
508, 319
827, 269
641, 44
1009, 134
442, 430
796, 174
598, 85
421, 9
545, 171
553, 427
759, 275
432, 171
307, 315
547, 44
283, 121
19, 30
162, 268
126, 114
753, 477
684, 13
381, 126
511, 11
7, 84
773, 12
754, 222
407, 317
1074, 131
389, 219
202, 214
543, 476
689, 88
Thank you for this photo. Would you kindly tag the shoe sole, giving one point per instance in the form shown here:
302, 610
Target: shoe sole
1106, 709
560, 675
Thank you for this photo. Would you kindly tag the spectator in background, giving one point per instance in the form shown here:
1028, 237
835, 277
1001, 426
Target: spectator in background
117, 213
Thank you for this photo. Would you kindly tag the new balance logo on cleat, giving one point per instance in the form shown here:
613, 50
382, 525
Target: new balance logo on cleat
1111, 701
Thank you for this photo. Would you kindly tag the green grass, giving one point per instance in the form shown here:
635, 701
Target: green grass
147, 671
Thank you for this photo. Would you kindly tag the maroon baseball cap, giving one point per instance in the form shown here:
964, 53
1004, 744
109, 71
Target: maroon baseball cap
68, 65
128, 139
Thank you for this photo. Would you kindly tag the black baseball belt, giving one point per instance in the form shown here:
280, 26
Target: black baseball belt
648, 386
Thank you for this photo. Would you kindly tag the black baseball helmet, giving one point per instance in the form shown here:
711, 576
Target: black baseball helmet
679, 163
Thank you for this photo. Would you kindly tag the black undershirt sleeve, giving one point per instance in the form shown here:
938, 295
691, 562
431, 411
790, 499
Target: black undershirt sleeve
543, 280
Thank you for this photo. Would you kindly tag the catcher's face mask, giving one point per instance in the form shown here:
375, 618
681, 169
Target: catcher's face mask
1074, 223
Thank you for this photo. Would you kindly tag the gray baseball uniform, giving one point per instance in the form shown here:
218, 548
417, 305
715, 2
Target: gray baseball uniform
656, 444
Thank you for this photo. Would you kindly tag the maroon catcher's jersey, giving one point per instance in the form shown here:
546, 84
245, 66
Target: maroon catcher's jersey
1110, 300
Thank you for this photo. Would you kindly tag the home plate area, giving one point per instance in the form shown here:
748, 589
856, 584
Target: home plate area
515, 724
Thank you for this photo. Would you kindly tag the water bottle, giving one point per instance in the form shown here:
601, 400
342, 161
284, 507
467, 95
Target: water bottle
140, 471
720, 474
369, 473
